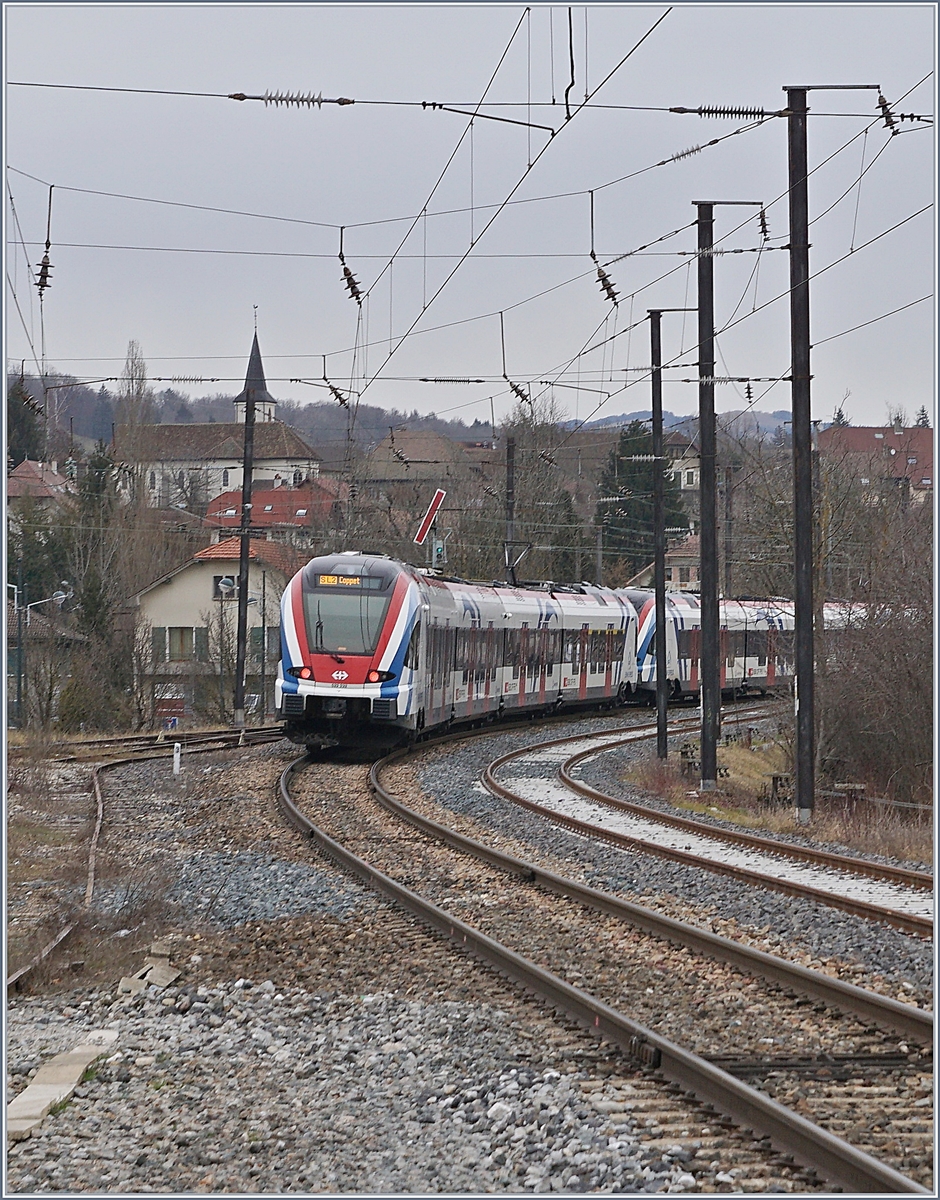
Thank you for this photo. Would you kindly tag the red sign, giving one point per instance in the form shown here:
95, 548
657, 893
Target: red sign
429, 517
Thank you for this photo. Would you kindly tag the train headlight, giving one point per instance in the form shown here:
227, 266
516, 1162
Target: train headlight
300, 672
379, 676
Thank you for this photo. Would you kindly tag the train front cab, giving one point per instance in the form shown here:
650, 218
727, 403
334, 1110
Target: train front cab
350, 645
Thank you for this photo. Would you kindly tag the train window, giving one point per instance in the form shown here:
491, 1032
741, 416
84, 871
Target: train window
344, 622
411, 654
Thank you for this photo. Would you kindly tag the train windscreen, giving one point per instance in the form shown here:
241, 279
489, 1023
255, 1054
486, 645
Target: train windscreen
344, 613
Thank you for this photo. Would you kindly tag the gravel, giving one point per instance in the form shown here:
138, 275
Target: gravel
248, 1086
452, 775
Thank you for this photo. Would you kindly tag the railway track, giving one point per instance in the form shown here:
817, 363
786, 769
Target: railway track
543, 780
534, 926
56, 815
95, 749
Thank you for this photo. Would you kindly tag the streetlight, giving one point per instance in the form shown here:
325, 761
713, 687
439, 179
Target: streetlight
58, 598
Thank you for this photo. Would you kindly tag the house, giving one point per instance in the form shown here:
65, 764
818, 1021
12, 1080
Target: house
282, 511
684, 465
682, 568
419, 456
882, 456
38, 481
184, 465
186, 623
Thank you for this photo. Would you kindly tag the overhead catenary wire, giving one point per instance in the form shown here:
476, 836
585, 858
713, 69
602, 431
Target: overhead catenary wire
447, 212
615, 335
513, 190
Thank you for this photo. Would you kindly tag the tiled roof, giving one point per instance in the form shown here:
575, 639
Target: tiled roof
36, 479
274, 506
427, 455
275, 554
690, 548
40, 627
215, 440
886, 449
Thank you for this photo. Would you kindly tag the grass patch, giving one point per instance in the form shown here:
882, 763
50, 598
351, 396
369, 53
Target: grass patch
61, 1106
743, 797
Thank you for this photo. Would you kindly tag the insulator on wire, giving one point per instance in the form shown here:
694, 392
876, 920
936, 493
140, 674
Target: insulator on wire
605, 281
448, 379
338, 395
292, 99
192, 379
721, 111
492, 492
684, 154
401, 458
890, 122
748, 391
352, 283
764, 229
548, 457
520, 392
44, 279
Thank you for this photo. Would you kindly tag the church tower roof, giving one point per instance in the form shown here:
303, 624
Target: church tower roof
255, 381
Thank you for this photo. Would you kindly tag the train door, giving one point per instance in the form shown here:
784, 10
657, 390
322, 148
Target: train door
609, 660
523, 661
583, 650
771, 656
542, 661
695, 639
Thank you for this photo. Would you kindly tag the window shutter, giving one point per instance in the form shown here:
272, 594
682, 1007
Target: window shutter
158, 634
254, 642
202, 643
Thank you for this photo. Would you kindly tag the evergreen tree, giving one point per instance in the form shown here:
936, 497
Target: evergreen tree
629, 522
923, 418
839, 417
24, 435
102, 418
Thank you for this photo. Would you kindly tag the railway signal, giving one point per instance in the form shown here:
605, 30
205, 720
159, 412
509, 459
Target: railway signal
425, 527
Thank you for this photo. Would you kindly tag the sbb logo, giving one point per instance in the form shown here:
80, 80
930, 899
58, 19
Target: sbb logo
340, 675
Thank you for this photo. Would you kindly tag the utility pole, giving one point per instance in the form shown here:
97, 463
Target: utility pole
659, 533
264, 645
804, 698
599, 555
800, 376
708, 493
659, 526
20, 647
708, 516
243, 558
511, 508
729, 522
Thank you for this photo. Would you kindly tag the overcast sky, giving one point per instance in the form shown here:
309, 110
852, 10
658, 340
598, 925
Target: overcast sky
183, 281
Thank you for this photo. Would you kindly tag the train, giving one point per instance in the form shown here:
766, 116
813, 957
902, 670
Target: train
375, 652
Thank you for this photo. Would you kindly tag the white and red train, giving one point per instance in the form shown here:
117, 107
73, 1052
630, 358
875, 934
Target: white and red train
374, 651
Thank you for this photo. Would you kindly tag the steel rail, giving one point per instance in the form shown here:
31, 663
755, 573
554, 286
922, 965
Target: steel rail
907, 922
15, 980
842, 862
894, 1015
838, 1161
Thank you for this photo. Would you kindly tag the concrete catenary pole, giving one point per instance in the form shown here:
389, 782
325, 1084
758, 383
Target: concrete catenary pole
659, 532
708, 517
243, 559
804, 690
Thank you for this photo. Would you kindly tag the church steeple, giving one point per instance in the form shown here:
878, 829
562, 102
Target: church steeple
264, 401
